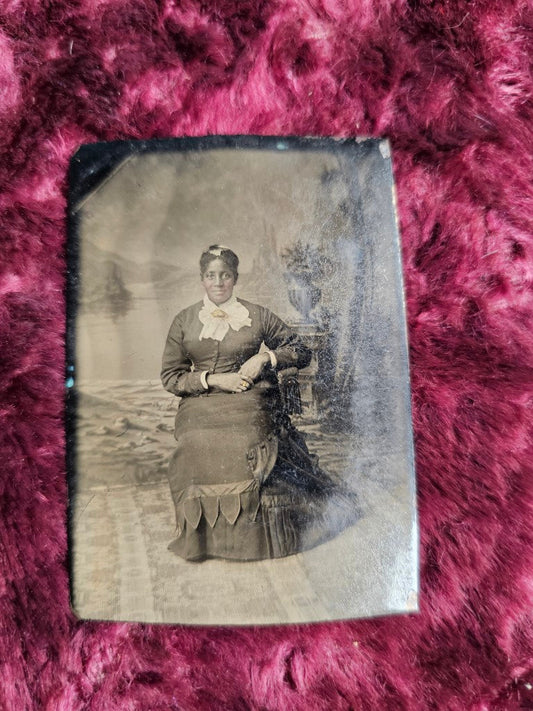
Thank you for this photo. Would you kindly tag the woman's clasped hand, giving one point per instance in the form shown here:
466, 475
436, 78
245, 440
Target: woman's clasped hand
254, 366
230, 382
244, 379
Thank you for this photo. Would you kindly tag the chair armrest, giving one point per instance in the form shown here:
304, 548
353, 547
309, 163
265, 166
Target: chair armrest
290, 391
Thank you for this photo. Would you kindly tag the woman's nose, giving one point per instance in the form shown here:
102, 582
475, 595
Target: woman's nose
218, 280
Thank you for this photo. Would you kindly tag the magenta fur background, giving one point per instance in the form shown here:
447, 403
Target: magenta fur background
451, 84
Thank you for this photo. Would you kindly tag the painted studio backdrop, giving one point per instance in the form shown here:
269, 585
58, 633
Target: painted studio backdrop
313, 224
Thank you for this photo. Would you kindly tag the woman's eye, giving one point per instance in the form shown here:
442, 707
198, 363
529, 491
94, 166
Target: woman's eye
224, 276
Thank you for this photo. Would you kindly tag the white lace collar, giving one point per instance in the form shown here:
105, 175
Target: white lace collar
217, 320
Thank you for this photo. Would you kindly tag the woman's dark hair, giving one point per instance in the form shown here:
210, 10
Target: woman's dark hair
218, 251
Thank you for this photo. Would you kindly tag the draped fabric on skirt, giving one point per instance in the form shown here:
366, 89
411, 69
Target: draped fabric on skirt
244, 484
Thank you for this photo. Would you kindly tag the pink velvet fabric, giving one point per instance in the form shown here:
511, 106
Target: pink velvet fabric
451, 84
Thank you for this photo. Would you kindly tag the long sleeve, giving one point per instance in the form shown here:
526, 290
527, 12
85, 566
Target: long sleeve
288, 348
177, 375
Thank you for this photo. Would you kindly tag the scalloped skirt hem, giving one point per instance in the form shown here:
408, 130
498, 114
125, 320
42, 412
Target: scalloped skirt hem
276, 529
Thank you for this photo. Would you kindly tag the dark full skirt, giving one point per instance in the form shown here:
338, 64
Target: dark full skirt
244, 484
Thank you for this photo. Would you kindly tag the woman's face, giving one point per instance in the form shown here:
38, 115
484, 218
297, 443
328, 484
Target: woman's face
218, 281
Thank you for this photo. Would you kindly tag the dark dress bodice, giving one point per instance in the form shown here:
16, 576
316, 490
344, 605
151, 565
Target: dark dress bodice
186, 356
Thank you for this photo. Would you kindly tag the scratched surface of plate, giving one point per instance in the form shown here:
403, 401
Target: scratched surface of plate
313, 223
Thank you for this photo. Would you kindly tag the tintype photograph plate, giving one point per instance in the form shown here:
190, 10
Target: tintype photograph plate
238, 412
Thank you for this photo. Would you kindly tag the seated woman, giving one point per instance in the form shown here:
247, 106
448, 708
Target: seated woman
244, 484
